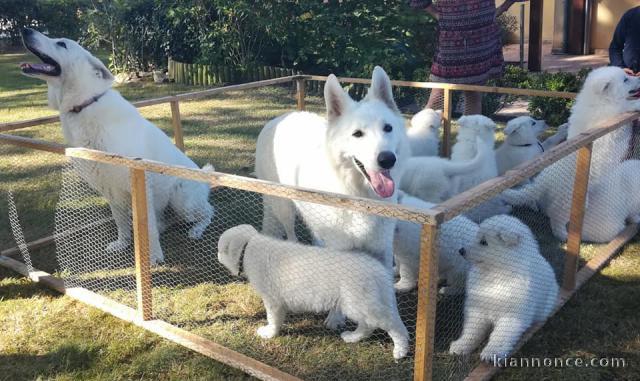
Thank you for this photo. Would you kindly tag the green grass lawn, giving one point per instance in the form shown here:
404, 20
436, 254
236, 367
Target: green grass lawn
47, 336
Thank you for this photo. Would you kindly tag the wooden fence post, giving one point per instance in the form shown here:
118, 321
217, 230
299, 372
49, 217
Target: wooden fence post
178, 138
446, 123
300, 84
141, 243
427, 298
574, 239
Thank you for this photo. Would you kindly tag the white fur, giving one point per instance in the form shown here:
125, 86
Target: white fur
612, 202
430, 178
466, 147
453, 236
471, 128
521, 143
291, 277
306, 150
510, 286
424, 134
112, 124
605, 94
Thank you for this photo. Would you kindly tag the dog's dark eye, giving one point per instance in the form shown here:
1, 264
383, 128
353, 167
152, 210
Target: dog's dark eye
387, 128
626, 80
533, 122
357, 134
61, 44
483, 242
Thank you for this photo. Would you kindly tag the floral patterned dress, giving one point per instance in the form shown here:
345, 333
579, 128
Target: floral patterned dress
469, 48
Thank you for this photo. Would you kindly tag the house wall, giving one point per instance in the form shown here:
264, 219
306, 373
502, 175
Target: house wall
607, 13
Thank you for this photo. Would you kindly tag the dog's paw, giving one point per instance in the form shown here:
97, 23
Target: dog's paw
118, 245
400, 351
267, 332
404, 286
460, 347
351, 336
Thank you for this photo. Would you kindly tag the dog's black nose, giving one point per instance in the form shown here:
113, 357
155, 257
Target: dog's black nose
386, 159
462, 251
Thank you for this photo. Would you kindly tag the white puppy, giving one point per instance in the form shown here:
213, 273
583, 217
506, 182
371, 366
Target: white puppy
424, 134
291, 277
430, 178
93, 115
471, 128
453, 236
510, 286
360, 150
521, 143
607, 92
466, 147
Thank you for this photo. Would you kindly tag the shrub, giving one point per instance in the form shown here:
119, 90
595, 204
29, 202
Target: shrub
555, 111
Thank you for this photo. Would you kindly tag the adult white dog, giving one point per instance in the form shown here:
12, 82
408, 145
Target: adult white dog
521, 143
430, 178
606, 92
510, 286
454, 235
424, 134
291, 277
551, 190
93, 115
359, 150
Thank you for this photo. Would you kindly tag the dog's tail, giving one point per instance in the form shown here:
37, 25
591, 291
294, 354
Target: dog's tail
452, 168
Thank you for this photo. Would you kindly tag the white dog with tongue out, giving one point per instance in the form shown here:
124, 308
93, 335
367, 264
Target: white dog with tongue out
360, 149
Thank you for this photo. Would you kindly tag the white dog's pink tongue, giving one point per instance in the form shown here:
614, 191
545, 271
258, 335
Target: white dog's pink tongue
382, 183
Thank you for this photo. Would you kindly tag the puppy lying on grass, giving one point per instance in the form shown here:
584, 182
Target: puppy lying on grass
291, 277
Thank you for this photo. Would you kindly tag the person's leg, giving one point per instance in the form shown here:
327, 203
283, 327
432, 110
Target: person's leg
436, 99
472, 103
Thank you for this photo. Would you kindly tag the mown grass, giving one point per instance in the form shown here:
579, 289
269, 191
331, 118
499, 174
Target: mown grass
47, 336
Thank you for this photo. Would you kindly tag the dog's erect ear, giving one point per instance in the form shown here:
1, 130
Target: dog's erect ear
381, 88
511, 127
335, 98
100, 70
509, 238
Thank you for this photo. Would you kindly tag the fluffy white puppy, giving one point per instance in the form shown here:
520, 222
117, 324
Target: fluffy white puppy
521, 143
424, 134
606, 92
93, 115
510, 286
453, 236
291, 277
430, 178
470, 128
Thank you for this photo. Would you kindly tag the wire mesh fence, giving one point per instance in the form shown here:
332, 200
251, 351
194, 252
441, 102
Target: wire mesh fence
280, 302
